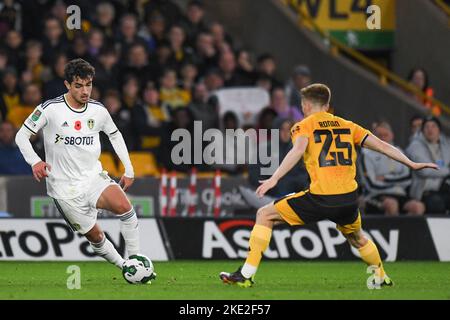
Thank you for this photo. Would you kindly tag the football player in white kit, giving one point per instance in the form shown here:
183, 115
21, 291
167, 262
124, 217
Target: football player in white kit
75, 179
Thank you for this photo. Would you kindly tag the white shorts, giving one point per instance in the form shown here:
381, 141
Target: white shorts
81, 213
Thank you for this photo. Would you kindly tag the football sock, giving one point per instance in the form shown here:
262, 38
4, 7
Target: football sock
130, 231
258, 243
106, 250
369, 254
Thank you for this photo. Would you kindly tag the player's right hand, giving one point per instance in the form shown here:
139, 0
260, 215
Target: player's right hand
420, 166
39, 170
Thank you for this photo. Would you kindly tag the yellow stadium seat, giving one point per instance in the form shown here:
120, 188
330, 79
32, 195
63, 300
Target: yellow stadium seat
108, 164
144, 164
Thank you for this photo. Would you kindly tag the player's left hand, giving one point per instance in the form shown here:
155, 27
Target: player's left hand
265, 186
126, 182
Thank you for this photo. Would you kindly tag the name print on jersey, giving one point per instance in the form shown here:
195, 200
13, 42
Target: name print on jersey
75, 141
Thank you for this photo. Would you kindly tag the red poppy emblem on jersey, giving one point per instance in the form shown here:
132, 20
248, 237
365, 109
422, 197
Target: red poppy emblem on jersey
77, 125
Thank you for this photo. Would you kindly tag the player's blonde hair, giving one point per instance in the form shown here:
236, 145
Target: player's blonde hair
317, 93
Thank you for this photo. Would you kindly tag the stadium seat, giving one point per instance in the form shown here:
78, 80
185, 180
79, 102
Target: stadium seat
144, 164
108, 164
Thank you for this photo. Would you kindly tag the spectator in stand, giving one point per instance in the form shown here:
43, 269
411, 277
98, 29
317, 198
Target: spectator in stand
128, 34
419, 78
14, 47
189, 75
170, 94
428, 185
161, 60
219, 35
122, 118
204, 108
33, 69
10, 17
153, 32
266, 118
206, 55
130, 92
149, 118
79, 48
167, 8
31, 97
11, 159
297, 179
104, 21
55, 87
180, 52
95, 42
107, 69
301, 77
138, 65
195, 21
266, 65
54, 40
231, 75
387, 181
10, 91
415, 126
213, 80
279, 103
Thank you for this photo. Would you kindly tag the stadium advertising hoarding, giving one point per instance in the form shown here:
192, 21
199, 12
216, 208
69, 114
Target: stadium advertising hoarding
205, 238
52, 239
397, 239
144, 196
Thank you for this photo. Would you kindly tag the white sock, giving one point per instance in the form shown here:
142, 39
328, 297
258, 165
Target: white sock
130, 231
106, 250
248, 270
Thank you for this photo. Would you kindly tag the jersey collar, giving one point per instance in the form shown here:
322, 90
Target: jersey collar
73, 109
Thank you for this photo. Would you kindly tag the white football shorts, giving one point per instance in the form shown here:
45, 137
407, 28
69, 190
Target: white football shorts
80, 213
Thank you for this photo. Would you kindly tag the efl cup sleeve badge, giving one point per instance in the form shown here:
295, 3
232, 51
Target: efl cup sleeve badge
90, 123
295, 129
36, 115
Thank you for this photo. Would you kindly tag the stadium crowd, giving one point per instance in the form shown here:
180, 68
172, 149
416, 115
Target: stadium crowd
157, 68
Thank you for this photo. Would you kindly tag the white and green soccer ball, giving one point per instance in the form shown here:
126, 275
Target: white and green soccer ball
138, 269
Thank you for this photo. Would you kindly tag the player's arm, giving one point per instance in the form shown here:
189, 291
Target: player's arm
118, 143
373, 143
291, 159
31, 126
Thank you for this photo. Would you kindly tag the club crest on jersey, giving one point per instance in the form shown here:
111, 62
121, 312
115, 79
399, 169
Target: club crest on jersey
77, 125
90, 123
36, 115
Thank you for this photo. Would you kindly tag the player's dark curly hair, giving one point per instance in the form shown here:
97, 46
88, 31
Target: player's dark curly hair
78, 68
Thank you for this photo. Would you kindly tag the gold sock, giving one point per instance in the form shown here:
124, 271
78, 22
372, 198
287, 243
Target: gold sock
258, 243
370, 255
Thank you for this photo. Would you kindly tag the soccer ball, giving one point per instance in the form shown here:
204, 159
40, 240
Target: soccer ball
138, 269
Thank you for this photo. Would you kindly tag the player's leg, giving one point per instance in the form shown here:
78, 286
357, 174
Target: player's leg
266, 218
82, 218
114, 199
103, 247
367, 249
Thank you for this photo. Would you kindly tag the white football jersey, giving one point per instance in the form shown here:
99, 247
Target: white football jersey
72, 143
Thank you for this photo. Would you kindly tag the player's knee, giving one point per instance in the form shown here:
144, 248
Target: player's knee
122, 207
356, 240
262, 214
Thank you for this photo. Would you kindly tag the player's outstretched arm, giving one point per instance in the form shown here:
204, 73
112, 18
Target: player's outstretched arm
291, 159
38, 166
373, 143
122, 152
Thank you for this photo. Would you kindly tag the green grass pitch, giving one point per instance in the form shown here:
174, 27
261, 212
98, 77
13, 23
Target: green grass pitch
192, 280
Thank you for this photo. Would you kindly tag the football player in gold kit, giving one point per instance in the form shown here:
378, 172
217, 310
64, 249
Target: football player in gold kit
327, 145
